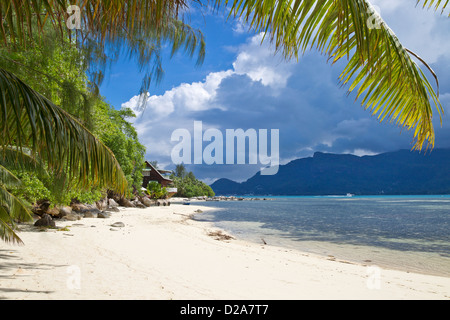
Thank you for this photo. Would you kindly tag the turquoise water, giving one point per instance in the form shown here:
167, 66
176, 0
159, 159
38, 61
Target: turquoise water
404, 232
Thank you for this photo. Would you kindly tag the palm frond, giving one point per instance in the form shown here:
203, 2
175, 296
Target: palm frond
104, 18
138, 28
12, 157
28, 120
436, 3
7, 178
379, 68
7, 233
11, 208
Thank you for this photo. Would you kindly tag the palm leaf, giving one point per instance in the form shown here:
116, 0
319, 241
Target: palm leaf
437, 4
379, 69
7, 178
12, 157
11, 208
138, 28
30, 120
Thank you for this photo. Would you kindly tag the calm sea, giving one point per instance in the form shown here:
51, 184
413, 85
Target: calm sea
403, 232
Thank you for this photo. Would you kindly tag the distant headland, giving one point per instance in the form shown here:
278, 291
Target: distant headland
391, 173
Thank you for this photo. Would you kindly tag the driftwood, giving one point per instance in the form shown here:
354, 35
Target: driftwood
190, 216
220, 235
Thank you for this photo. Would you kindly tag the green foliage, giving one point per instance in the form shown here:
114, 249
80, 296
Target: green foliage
188, 185
119, 135
155, 190
35, 188
32, 188
56, 69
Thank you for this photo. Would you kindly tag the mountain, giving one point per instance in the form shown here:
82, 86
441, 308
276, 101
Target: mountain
400, 172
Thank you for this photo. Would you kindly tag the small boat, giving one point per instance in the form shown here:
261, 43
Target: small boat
186, 202
350, 194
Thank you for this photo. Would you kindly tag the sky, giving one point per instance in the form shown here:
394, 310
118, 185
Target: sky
244, 84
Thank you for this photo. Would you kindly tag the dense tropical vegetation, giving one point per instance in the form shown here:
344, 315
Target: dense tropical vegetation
61, 139
188, 185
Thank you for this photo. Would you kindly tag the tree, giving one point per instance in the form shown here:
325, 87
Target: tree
180, 170
113, 129
188, 185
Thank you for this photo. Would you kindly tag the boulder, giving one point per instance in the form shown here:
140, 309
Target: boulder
40, 208
147, 202
118, 224
112, 203
138, 204
72, 217
126, 203
102, 204
45, 221
64, 211
112, 209
103, 215
54, 212
89, 214
78, 207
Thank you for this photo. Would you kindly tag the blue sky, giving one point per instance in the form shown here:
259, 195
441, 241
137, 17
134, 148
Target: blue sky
243, 84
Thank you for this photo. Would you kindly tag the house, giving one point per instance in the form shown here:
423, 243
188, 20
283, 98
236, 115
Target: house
160, 176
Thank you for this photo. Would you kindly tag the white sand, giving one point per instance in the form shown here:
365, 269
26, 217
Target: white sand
161, 255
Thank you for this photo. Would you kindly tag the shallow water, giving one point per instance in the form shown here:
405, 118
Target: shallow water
402, 232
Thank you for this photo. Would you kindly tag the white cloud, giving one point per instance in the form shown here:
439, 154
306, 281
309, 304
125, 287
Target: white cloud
258, 61
254, 60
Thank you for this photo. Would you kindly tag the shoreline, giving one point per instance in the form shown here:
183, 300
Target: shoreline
422, 262
160, 253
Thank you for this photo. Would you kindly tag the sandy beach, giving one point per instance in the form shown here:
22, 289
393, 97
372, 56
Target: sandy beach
160, 253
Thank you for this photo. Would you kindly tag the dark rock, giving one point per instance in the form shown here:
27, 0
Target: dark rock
138, 204
112, 209
147, 202
54, 212
45, 221
102, 204
79, 207
103, 215
112, 203
72, 217
89, 214
118, 224
126, 203
64, 211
